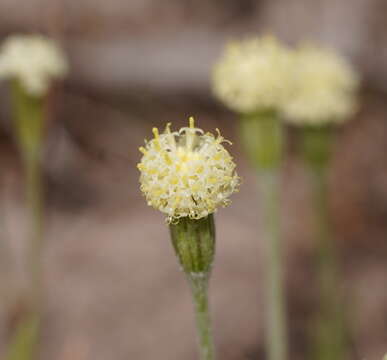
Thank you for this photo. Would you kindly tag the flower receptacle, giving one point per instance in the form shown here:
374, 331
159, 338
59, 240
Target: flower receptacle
194, 244
261, 133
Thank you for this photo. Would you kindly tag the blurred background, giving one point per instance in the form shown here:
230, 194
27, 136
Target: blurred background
113, 286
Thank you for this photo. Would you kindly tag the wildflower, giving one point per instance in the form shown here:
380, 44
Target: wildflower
187, 173
323, 88
323, 95
254, 78
253, 74
33, 60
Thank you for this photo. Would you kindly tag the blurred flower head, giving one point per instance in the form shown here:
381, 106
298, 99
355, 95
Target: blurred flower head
34, 60
253, 74
323, 88
187, 172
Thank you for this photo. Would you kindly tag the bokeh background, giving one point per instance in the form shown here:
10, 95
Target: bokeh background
113, 286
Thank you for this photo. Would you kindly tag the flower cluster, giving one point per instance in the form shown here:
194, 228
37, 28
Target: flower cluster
187, 173
310, 85
253, 74
33, 60
322, 88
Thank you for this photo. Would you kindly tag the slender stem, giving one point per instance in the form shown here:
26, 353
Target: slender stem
25, 339
199, 287
35, 204
329, 327
262, 136
275, 301
8, 291
29, 119
7, 288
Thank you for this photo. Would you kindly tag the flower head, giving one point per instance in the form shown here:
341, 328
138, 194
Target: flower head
253, 74
34, 60
323, 88
187, 173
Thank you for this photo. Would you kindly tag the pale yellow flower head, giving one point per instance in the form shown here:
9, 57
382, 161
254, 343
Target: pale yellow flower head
324, 85
187, 172
34, 60
253, 74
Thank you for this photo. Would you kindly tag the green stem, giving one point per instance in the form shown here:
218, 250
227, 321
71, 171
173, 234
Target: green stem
262, 136
7, 288
29, 119
329, 332
35, 204
194, 244
275, 300
199, 287
25, 339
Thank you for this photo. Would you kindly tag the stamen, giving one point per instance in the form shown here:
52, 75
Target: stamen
171, 137
156, 134
167, 158
191, 122
190, 134
220, 139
